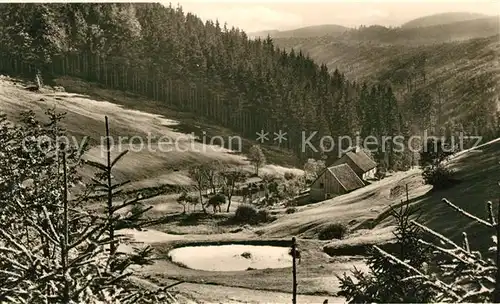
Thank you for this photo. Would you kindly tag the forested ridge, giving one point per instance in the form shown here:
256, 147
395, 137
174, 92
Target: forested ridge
205, 68
450, 87
439, 33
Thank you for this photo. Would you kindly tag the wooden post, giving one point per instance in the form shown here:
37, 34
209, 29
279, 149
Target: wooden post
64, 247
112, 245
407, 196
294, 271
496, 291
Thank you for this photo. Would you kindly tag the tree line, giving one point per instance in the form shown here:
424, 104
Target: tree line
207, 69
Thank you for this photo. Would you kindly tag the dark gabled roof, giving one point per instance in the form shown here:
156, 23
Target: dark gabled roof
362, 160
347, 178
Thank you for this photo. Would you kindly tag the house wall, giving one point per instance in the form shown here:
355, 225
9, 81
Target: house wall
302, 200
330, 187
370, 174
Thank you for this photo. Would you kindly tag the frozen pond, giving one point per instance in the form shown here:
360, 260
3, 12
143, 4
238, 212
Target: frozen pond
231, 257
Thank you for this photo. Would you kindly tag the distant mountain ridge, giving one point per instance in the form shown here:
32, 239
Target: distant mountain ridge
303, 32
381, 35
271, 33
456, 31
443, 18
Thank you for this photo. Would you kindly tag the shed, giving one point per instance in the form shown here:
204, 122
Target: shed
333, 181
251, 185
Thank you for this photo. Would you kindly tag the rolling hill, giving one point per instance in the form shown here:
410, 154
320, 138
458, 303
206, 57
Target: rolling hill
429, 29
364, 210
456, 31
362, 56
161, 162
443, 18
263, 34
461, 77
304, 32
477, 171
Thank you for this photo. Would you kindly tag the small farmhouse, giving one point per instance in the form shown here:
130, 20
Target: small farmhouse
360, 163
253, 185
333, 181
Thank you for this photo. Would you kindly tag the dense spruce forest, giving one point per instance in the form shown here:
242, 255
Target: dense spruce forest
207, 69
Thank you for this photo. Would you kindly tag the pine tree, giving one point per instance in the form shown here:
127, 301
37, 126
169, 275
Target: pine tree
384, 283
455, 273
432, 158
53, 248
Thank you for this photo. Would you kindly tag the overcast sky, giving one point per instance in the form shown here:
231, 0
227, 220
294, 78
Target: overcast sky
278, 14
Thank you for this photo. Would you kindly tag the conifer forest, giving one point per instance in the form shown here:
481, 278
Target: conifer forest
150, 155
